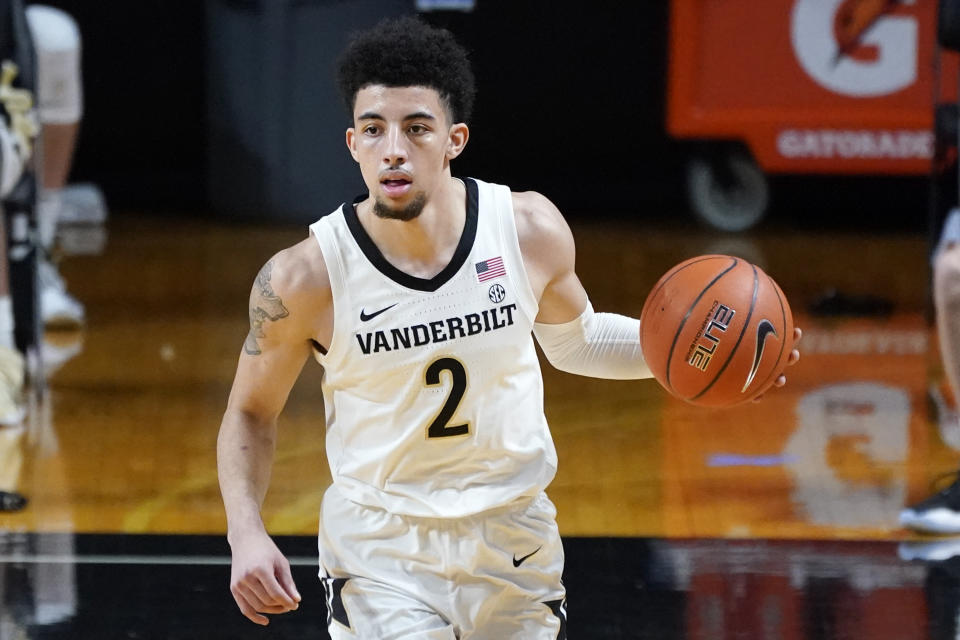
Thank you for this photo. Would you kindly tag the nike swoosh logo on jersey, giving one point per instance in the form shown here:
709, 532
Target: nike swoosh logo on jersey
519, 562
364, 316
764, 329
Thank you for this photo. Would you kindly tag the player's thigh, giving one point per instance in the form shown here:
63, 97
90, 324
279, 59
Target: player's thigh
522, 560
946, 274
361, 609
533, 620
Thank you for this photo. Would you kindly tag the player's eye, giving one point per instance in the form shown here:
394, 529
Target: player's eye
371, 129
417, 129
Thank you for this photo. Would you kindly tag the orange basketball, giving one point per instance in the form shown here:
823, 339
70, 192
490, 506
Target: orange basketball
716, 331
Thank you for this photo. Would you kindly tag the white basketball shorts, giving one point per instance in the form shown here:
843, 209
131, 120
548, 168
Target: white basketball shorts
493, 576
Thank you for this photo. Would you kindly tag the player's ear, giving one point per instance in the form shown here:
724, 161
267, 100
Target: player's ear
352, 143
457, 140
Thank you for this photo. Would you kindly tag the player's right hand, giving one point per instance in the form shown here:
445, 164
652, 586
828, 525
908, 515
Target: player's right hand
260, 578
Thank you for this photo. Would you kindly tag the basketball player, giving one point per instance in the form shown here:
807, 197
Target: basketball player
56, 109
57, 42
419, 300
59, 109
940, 513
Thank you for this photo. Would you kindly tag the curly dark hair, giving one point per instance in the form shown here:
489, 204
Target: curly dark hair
406, 52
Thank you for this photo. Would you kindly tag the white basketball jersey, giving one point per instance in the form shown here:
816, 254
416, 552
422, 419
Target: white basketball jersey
433, 391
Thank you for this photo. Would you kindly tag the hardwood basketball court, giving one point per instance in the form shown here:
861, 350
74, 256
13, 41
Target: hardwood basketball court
774, 520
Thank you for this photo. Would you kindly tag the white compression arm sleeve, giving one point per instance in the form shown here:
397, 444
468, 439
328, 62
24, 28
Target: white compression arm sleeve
599, 345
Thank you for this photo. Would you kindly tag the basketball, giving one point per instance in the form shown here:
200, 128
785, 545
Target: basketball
716, 331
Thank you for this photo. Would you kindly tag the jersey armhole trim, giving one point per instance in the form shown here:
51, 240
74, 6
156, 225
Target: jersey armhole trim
338, 290
507, 223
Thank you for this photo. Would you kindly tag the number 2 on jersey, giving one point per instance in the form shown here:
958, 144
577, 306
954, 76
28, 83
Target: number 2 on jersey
440, 427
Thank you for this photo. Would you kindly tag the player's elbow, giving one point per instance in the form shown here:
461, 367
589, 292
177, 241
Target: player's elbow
247, 416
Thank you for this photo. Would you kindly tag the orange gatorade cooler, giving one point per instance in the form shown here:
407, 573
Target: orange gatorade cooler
801, 86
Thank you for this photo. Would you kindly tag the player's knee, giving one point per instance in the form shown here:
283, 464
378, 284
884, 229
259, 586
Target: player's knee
53, 30
946, 277
56, 39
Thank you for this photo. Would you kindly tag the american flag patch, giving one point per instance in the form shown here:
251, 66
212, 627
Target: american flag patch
490, 269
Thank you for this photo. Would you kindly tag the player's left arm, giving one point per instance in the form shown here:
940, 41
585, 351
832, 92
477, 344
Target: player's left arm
572, 335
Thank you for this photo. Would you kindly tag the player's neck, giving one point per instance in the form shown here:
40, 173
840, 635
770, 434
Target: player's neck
422, 247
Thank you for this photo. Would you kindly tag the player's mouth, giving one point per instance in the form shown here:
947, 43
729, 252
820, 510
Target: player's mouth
395, 184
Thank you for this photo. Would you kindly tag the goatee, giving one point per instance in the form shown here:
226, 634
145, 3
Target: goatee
409, 212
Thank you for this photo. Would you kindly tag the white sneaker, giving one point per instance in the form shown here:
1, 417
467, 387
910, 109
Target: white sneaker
936, 551
58, 309
82, 203
938, 514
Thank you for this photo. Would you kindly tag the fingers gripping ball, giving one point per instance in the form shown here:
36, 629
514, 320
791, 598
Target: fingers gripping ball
716, 331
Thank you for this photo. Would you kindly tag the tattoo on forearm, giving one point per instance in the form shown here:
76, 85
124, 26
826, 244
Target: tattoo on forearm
265, 305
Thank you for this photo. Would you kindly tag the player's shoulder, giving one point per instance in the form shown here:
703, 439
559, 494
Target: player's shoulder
297, 273
540, 225
535, 207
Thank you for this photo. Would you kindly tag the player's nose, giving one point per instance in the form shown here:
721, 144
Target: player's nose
394, 151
